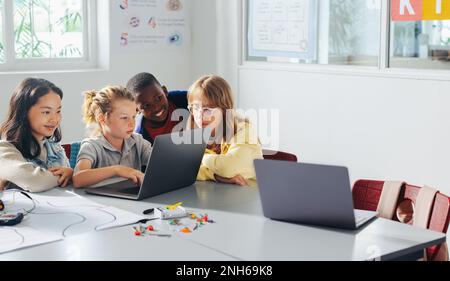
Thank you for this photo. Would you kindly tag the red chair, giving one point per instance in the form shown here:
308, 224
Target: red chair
367, 193
72, 152
67, 149
279, 155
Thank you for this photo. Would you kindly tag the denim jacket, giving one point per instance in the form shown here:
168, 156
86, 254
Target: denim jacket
56, 156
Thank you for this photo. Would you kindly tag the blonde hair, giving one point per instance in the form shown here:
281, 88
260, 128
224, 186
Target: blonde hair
218, 92
101, 102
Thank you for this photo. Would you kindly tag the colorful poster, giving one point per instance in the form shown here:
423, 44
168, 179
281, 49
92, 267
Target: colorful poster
417, 10
144, 24
282, 28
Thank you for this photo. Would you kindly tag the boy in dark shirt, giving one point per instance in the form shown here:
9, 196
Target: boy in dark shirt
155, 105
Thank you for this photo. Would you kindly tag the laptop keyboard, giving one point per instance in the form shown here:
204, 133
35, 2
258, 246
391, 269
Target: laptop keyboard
361, 216
131, 190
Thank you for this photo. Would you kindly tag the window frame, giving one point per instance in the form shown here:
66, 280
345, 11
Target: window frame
2, 13
88, 61
382, 70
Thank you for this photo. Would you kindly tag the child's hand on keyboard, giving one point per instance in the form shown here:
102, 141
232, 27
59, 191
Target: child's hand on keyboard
128, 173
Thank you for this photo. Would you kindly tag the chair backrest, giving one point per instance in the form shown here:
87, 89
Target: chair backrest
367, 194
72, 152
279, 155
67, 149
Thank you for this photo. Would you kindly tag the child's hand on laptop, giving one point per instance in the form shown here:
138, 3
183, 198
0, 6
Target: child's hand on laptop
128, 173
238, 180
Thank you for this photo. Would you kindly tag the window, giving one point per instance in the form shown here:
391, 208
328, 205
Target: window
354, 32
348, 31
2, 48
420, 44
400, 34
56, 32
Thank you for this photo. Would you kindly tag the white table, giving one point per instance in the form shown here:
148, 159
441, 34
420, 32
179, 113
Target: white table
241, 233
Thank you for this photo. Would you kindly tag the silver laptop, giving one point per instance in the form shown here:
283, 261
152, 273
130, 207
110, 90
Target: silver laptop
308, 193
172, 165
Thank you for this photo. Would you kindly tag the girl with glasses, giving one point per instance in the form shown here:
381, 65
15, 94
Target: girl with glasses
234, 144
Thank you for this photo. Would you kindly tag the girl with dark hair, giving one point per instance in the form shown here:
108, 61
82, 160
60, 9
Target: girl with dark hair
31, 156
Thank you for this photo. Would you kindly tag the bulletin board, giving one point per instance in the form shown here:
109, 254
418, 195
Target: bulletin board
282, 28
147, 24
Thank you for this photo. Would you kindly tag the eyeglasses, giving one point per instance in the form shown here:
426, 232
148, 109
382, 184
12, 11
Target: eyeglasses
196, 109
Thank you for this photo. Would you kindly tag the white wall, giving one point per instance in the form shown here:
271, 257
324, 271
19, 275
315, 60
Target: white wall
204, 43
381, 128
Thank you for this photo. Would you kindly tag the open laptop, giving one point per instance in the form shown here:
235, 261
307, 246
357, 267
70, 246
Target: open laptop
308, 193
172, 165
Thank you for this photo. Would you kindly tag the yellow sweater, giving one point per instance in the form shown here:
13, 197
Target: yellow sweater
236, 158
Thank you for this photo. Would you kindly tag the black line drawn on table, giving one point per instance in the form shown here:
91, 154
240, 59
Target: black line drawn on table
114, 219
21, 236
73, 206
83, 218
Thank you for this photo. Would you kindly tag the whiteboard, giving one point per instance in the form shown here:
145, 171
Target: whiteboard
282, 28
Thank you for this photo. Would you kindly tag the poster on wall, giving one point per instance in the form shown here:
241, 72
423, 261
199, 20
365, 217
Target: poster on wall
282, 28
144, 24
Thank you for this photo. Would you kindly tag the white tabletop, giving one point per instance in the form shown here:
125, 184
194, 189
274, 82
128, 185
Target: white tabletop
241, 233
116, 244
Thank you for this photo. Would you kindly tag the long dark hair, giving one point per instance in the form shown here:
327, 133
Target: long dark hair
16, 129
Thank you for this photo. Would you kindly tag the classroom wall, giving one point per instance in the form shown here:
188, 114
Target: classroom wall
204, 42
173, 68
381, 128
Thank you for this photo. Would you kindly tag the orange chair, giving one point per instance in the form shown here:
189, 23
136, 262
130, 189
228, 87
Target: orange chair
279, 155
367, 193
